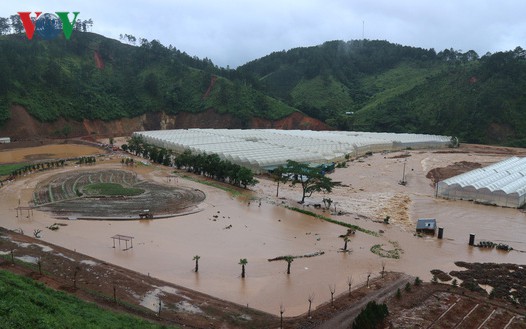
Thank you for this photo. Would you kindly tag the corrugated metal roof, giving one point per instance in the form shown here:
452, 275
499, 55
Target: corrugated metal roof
426, 224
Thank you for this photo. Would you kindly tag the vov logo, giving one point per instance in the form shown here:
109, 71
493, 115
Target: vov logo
48, 25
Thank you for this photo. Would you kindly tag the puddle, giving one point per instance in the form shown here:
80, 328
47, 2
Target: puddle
28, 259
89, 262
151, 300
185, 306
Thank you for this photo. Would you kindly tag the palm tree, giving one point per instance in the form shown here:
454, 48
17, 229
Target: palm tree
196, 258
288, 259
243, 262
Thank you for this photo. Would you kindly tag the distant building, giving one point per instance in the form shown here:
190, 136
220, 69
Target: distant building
426, 225
5, 140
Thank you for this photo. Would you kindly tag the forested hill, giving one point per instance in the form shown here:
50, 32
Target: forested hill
358, 85
93, 77
388, 87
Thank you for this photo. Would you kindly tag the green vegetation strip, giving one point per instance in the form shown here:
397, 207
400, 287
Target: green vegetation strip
110, 189
330, 220
232, 191
29, 304
394, 253
7, 169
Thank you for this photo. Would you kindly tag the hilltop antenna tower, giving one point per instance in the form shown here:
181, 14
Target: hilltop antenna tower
363, 30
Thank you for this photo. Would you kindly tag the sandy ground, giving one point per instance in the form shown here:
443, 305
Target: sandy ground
164, 248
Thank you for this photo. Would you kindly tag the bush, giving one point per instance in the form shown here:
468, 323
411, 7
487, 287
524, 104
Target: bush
371, 316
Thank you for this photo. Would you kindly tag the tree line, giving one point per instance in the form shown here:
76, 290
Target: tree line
38, 167
13, 25
208, 165
51, 165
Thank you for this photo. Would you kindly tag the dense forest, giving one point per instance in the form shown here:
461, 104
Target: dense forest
355, 85
93, 77
380, 86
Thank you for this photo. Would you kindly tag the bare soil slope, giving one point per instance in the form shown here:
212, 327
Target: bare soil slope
22, 126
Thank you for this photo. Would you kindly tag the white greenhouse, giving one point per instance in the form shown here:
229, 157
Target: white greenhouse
265, 149
501, 184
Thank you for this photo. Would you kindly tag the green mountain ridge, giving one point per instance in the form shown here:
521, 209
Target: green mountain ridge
368, 85
380, 86
93, 77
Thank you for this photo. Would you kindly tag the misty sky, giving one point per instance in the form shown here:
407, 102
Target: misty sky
233, 32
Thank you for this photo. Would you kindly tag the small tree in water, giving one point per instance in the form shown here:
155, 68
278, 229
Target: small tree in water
196, 258
345, 240
288, 259
243, 262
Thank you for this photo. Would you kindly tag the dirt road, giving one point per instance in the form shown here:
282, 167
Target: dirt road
344, 319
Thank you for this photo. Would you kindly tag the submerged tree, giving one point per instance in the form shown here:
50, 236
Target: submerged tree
345, 240
196, 258
243, 262
310, 299
289, 260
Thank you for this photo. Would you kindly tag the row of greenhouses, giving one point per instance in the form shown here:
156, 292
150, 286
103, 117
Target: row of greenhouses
501, 184
265, 149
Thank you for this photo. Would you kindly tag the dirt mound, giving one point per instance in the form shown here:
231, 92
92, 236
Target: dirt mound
22, 126
438, 174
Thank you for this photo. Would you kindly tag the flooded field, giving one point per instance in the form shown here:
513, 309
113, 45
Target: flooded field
45, 152
228, 229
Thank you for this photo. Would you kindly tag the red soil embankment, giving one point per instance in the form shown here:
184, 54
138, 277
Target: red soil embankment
22, 126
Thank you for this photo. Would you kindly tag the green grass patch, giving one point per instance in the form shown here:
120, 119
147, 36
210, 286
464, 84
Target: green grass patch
231, 190
393, 253
110, 189
337, 222
29, 304
7, 169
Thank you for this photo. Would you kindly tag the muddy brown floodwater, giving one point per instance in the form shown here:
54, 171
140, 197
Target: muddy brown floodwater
228, 229
45, 152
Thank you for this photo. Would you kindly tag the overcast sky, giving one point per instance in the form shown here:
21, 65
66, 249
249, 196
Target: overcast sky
233, 32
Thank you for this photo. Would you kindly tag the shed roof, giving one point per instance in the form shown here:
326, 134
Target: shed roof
426, 224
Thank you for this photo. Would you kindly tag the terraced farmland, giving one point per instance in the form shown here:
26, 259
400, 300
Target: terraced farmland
453, 310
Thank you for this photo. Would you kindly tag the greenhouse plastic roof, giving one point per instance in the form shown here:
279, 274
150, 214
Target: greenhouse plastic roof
507, 176
269, 148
